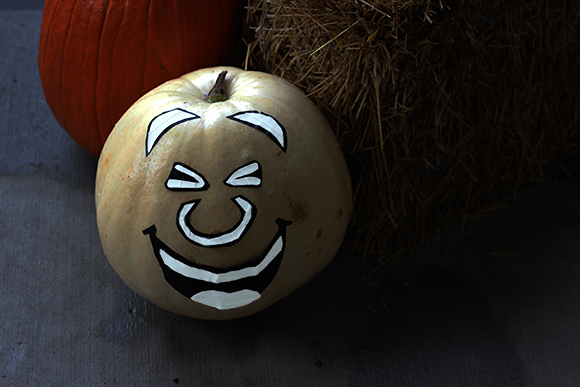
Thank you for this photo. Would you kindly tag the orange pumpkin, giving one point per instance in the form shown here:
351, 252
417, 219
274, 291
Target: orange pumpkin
97, 57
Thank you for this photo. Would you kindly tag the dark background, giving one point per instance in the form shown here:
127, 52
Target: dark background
499, 306
7, 5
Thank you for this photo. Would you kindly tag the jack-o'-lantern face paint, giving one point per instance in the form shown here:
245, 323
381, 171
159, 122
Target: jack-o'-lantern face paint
219, 288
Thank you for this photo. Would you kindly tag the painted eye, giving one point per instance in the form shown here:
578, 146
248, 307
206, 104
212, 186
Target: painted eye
248, 175
184, 178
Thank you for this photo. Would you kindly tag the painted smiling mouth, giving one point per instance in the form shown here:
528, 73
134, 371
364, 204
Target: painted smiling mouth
220, 288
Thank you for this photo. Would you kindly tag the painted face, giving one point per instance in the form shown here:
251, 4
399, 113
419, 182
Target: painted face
218, 288
218, 210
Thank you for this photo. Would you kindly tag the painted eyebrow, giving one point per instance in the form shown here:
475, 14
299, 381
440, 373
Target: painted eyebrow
161, 124
265, 123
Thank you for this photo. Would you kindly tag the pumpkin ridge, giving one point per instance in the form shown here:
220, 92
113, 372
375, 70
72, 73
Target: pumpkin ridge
179, 48
101, 77
112, 119
182, 31
61, 96
80, 29
153, 49
89, 71
102, 135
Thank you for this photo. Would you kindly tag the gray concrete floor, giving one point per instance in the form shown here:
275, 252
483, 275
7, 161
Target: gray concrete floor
67, 320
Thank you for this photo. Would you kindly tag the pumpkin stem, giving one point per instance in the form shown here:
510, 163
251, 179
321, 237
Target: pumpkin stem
217, 92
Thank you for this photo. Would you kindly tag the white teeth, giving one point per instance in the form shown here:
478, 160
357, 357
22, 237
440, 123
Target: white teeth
223, 300
229, 276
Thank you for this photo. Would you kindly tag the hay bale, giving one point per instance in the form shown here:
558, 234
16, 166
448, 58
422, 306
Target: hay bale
444, 109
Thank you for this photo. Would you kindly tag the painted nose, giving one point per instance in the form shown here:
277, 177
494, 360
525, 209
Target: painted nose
226, 238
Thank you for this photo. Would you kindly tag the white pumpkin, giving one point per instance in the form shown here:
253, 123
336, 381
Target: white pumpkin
216, 210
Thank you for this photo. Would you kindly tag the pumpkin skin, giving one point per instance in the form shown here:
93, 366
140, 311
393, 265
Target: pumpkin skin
304, 191
97, 57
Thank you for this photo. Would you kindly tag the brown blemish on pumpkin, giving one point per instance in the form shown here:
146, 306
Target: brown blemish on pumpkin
319, 234
107, 163
299, 210
339, 213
